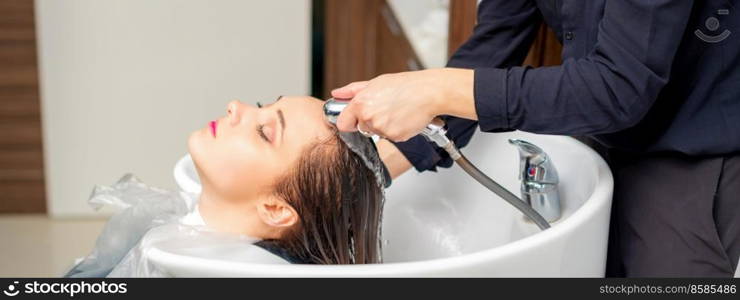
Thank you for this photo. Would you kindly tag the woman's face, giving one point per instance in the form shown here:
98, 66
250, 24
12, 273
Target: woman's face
242, 155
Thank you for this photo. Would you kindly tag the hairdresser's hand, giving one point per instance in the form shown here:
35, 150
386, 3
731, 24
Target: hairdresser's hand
398, 106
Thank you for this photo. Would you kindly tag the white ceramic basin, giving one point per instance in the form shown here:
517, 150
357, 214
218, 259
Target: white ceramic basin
446, 224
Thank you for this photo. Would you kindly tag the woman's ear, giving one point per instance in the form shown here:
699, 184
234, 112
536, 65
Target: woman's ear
276, 212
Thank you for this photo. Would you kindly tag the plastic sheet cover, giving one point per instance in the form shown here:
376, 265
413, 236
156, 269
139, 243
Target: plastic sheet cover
148, 218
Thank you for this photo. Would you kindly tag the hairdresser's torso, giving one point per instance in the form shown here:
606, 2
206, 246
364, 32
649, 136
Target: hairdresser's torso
698, 111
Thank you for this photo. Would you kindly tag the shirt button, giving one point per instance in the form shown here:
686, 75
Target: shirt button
569, 35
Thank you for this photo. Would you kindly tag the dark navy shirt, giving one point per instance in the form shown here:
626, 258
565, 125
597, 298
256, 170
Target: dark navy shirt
637, 75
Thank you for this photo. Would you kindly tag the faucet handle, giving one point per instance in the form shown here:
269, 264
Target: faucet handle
529, 150
539, 180
535, 165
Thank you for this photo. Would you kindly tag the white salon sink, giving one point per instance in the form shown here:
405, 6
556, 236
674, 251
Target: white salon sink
446, 224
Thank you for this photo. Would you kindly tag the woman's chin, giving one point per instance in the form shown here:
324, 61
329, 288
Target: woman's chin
198, 149
196, 145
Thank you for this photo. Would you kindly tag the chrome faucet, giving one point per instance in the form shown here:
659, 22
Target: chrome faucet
539, 180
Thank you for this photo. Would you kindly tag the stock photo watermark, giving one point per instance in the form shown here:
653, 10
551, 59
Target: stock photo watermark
712, 24
70, 289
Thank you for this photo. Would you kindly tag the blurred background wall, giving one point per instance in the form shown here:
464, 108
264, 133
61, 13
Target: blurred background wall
93, 89
123, 82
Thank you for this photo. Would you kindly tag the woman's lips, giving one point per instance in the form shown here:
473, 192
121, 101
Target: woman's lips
213, 125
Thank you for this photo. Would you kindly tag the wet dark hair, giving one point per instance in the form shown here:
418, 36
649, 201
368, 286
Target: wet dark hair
339, 204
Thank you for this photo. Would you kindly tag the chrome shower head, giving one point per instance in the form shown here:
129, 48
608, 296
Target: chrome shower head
361, 145
435, 131
332, 109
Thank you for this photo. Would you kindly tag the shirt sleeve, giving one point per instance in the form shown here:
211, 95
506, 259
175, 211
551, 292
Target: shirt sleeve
501, 38
610, 89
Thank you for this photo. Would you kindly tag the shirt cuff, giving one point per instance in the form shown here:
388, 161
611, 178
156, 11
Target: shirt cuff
425, 155
490, 98
420, 152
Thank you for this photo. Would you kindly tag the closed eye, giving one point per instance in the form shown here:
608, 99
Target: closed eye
261, 132
281, 118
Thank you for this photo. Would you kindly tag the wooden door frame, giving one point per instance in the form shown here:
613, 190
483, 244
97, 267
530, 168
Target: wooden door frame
353, 33
347, 36
22, 187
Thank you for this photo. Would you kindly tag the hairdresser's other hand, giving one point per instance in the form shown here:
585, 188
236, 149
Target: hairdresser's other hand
398, 106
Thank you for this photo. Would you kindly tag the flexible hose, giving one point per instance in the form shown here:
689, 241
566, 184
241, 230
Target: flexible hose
502, 192
436, 132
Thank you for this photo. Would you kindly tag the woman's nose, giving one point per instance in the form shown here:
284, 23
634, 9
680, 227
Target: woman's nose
232, 112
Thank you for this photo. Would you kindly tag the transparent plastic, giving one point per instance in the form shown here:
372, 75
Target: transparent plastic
153, 219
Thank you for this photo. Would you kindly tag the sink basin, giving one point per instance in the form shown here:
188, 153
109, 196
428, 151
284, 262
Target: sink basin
446, 224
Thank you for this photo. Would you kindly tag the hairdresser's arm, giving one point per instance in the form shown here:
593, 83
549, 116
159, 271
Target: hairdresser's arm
393, 159
608, 90
501, 38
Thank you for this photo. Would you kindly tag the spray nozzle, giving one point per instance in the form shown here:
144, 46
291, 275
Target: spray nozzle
361, 145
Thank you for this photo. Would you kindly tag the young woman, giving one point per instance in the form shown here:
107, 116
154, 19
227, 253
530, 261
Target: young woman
279, 172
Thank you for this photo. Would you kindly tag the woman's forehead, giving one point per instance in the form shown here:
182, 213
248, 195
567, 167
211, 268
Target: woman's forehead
304, 120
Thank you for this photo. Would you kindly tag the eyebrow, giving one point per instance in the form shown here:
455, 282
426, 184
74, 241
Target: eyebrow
273, 102
282, 121
280, 115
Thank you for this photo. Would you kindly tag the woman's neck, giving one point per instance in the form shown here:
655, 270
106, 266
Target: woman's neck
226, 215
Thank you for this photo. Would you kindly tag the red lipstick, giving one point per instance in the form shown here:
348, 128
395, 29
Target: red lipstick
213, 125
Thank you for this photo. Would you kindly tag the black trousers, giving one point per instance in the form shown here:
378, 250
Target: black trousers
674, 215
